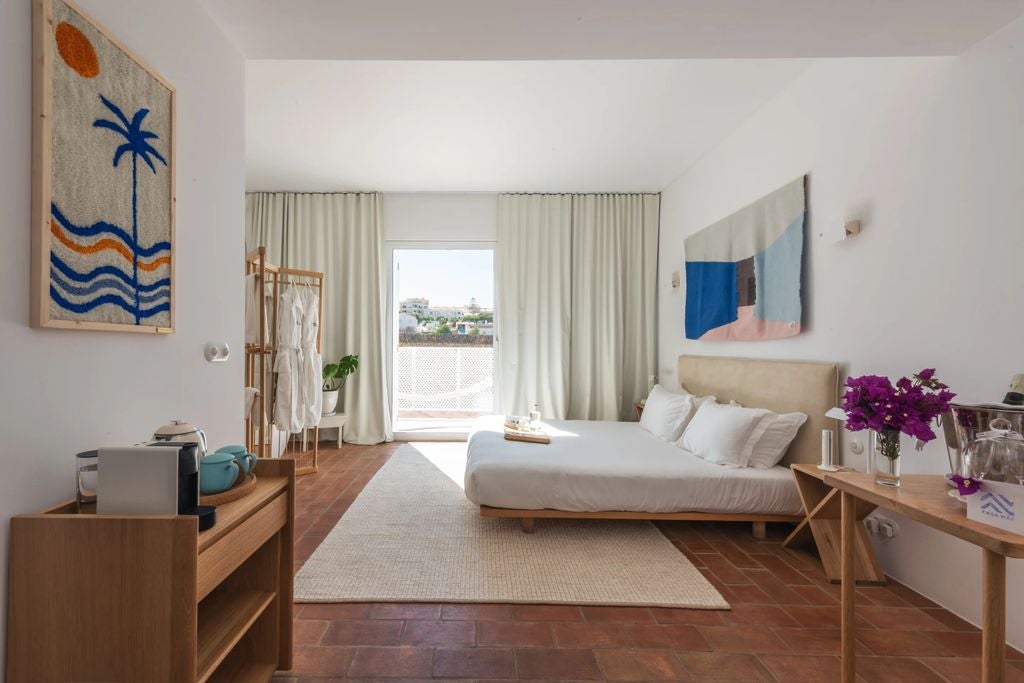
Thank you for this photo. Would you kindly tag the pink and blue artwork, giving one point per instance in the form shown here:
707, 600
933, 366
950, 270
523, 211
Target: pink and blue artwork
743, 272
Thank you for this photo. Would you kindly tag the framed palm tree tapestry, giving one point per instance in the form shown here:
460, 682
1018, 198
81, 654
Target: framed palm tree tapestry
103, 180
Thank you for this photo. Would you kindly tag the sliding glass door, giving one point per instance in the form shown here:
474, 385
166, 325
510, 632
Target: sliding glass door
442, 302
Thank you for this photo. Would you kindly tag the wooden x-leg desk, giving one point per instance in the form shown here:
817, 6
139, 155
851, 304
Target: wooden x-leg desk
925, 499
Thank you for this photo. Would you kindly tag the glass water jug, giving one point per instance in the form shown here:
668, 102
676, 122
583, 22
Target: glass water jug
996, 455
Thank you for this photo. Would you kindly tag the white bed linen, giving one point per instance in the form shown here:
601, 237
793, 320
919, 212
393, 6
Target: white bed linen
602, 466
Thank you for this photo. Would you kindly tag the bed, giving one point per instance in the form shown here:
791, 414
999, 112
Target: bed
618, 470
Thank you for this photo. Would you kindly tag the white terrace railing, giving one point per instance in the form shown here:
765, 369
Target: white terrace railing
444, 378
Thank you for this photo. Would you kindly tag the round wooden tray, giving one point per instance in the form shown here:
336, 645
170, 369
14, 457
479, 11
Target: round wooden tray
234, 493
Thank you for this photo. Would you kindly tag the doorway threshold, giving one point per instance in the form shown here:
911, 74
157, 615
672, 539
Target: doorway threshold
433, 429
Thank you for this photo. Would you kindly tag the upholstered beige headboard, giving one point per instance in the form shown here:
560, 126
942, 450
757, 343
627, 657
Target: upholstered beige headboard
784, 386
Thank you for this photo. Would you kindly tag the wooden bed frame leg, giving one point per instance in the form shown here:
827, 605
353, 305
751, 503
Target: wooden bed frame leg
527, 523
760, 529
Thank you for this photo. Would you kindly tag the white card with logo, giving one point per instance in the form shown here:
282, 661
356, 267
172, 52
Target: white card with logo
999, 504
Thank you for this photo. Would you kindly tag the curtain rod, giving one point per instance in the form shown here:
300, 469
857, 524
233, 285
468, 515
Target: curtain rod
580, 194
451, 192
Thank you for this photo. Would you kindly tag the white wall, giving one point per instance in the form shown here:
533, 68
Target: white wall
928, 154
63, 391
440, 217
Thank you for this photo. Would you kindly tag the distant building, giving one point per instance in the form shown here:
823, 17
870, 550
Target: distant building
414, 306
472, 308
451, 312
407, 323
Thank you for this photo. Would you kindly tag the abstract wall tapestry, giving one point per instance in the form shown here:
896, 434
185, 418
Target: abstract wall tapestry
743, 272
103, 180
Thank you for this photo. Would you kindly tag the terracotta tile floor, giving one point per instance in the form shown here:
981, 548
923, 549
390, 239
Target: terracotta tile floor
783, 626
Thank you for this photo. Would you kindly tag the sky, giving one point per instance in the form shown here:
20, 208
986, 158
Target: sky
448, 277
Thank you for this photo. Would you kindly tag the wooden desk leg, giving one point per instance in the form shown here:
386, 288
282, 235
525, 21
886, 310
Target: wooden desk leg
993, 618
849, 586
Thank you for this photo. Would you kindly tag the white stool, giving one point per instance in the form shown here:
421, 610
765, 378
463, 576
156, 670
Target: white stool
336, 420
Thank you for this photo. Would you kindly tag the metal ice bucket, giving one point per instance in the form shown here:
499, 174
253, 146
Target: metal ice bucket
963, 423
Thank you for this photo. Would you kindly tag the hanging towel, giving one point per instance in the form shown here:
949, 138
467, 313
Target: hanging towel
287, 400
250, 403
252, 310
311, 370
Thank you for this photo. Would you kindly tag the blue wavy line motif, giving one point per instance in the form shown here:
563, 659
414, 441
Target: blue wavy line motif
107, 283
73, 274
87, 306
103, 227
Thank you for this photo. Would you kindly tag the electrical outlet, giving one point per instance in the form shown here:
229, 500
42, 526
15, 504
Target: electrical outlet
216, 352
887, 528
872, 525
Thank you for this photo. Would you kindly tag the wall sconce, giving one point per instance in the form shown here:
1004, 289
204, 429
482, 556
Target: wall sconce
837, 231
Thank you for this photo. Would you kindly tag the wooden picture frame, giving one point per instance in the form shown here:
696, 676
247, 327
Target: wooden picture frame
109, 274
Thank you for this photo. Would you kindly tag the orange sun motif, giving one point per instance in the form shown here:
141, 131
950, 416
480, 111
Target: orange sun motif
76, 51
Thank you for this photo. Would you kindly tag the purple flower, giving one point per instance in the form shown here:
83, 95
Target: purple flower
910, 405
965, 485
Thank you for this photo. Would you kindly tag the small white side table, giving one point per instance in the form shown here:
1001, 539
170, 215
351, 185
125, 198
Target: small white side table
335, 420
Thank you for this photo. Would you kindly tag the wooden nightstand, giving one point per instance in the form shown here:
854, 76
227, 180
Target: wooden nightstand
638, 408
821, 527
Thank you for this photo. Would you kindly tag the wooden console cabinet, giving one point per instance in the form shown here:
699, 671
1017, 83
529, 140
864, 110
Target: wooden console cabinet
151, 599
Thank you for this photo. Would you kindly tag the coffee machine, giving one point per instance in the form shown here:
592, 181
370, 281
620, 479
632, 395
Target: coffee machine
157, 478
188, 473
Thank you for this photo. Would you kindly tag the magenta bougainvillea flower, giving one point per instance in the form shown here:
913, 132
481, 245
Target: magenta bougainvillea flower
910, 406
966, 485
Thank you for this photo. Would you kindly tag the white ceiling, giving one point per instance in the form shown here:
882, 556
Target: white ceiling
540, 95
606, 29
494, 126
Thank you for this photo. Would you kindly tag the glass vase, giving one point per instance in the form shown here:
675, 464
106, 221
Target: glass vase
885, 454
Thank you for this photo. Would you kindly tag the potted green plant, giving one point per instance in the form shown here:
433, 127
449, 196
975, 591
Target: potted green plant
335, 375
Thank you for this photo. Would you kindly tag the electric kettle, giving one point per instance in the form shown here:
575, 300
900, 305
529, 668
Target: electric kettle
181, 431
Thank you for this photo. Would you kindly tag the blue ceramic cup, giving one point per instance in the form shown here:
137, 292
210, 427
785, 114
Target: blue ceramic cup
246, 461
217, 473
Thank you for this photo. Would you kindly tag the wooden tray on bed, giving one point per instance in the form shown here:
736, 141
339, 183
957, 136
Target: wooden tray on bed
532, 436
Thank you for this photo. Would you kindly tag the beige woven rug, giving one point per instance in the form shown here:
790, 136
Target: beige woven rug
412, 535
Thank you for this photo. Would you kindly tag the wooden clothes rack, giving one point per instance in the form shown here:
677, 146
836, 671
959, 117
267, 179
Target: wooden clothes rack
257, 353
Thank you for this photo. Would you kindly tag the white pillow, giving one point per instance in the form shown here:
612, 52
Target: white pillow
772, 446
780, 431
666, 414
724, 435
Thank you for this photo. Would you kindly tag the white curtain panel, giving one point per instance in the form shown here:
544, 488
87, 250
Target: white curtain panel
534, 269
577, 282
614, 284
342, 235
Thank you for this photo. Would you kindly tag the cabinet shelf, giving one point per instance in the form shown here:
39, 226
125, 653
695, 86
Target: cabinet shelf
223, 619
214, 605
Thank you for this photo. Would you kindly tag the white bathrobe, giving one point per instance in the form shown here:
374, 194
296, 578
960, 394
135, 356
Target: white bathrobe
312, 365
287, 365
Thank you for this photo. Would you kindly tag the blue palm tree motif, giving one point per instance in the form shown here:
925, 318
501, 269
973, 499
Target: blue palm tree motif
137, 144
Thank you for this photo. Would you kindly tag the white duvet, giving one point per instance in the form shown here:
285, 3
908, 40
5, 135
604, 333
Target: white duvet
605, 466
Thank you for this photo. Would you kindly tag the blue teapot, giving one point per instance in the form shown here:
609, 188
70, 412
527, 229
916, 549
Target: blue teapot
217, 473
